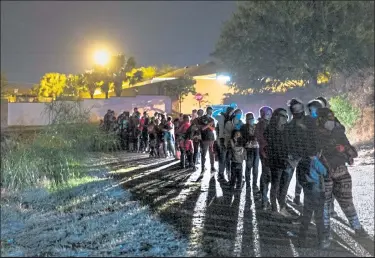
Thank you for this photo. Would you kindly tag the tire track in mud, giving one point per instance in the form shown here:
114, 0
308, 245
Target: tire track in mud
216, 220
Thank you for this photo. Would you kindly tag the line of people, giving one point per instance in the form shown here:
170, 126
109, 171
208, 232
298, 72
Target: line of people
313, 145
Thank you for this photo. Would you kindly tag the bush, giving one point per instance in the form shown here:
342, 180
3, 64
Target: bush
56, 153
344, 111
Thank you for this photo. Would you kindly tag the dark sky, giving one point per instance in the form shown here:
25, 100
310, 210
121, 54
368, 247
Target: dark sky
41, 36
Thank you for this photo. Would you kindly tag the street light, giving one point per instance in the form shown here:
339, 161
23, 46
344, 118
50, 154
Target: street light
101, 57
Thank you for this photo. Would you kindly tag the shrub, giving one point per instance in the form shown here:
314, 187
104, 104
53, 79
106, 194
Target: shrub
56, 153
344, 111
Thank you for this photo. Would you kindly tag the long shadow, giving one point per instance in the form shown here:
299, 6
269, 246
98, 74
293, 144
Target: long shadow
338, 240
221, 218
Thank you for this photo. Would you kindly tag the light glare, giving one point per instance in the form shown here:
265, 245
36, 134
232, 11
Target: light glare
101, 57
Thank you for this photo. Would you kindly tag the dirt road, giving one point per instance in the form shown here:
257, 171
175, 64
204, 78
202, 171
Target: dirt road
220, 222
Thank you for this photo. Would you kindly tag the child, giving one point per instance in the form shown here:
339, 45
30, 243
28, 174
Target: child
237, 156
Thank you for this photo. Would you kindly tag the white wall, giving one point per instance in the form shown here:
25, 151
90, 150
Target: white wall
34, 114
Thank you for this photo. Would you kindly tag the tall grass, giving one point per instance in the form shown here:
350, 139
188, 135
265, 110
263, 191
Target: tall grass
57, 153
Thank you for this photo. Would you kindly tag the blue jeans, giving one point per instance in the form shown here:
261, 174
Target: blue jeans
252, 163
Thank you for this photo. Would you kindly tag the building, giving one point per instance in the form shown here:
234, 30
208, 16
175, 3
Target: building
211, 83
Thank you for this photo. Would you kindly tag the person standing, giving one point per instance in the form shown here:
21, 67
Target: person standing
184, 142
265, 114
237, 156
252, 150
277, 153
223, 151
169, 140
195, 135
336, 152
207, 127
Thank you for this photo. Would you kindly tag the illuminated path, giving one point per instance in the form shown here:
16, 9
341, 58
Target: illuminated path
219, 222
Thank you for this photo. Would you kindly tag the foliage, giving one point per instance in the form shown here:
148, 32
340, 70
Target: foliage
74, 85
344, 111
119, 68
164, 69
52, 85
271, 42
57, 152
91, 79
180, 88
4, 83
148, 72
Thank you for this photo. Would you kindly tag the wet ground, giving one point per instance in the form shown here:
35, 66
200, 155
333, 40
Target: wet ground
221, 222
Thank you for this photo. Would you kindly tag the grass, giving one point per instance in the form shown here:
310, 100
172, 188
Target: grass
87, 217
55, 154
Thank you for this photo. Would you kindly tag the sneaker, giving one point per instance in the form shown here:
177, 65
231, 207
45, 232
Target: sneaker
297, 201
200, 178
194, 168
334, 214
325, 244
204, 169
213, 169
220, 178
361, 233
265, 206
285, 213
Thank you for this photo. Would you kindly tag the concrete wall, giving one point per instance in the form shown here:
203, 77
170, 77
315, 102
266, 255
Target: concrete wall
34, 114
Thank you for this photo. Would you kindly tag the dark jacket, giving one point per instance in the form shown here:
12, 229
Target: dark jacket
277, 147
260, 127
302, 137
248, 134
329, 142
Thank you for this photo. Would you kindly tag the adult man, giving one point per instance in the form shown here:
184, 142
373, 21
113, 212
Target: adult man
223, 152
207, 125
265, 114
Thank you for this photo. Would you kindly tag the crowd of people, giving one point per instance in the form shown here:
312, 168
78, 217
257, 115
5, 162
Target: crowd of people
309, 140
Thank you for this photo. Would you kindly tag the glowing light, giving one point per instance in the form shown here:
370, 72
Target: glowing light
101, 57
223, 78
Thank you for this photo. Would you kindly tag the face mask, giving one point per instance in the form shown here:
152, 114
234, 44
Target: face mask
209, 115
238, 116
313, 113
251, 121
329, 125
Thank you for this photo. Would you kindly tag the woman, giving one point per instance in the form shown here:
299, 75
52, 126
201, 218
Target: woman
185, 143
277, 153
336, 152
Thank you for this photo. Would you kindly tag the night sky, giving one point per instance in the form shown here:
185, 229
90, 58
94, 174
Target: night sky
39, 37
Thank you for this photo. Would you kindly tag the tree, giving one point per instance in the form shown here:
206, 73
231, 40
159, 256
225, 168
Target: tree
52, 85
164, 69
180, 88
91, 79
74, 85
4, 84
134, 76
119, 67
272, 42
